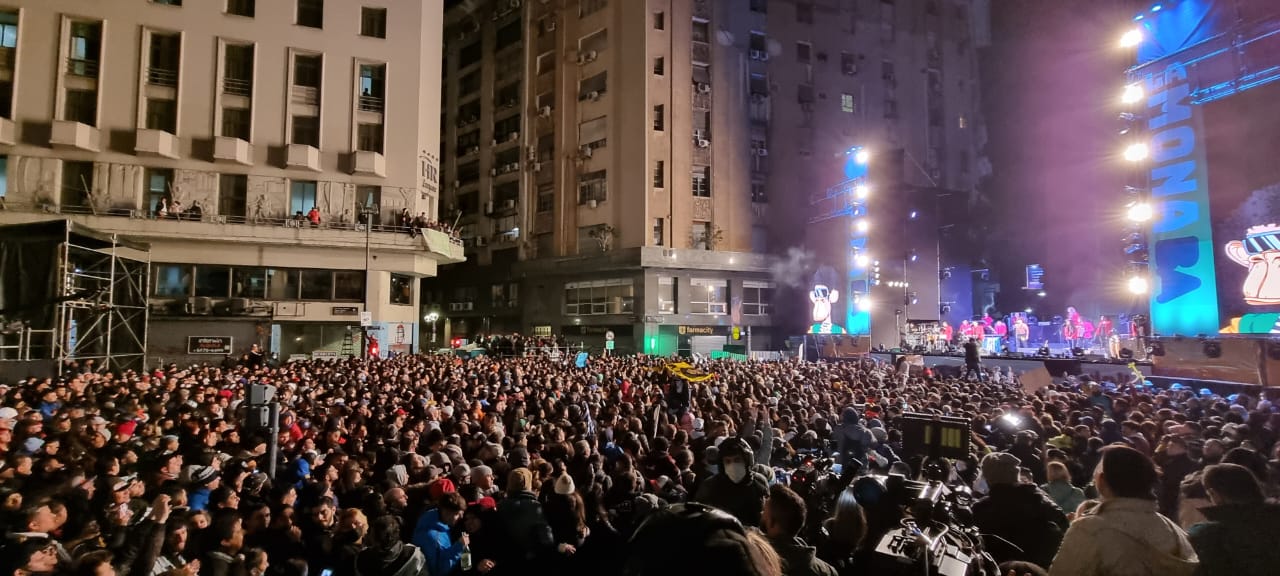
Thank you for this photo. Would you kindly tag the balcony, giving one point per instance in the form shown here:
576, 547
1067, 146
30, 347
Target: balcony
7, 132
303, 156
157, 143
306, 96
371, 104
162, 77
228, 149
82, 68
75, 135
369, 163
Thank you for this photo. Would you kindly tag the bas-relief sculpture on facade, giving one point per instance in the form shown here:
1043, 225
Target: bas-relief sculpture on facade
33, 180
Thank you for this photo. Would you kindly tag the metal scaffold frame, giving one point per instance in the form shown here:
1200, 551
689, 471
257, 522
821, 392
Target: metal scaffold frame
100, 304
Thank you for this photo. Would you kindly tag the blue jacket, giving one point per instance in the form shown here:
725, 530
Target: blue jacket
432, 536
198, 499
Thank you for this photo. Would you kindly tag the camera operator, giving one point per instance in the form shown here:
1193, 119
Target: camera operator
853, 440
735, 488
1017, 514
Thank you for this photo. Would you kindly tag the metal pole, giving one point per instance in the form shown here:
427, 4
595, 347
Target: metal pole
368, 238
273, 453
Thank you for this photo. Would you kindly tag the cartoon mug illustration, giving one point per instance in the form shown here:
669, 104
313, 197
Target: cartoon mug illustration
823, 295
1260, 253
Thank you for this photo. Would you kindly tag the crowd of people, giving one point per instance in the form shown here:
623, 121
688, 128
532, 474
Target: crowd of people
438, 465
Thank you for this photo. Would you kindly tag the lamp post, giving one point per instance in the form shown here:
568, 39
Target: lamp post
367, 211
432, 317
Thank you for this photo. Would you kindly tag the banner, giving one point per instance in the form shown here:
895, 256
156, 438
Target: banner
688, 372
221, 345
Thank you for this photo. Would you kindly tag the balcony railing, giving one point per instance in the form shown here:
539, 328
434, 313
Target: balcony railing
162, 77
306, 96
81, 67
371, 104
237, 87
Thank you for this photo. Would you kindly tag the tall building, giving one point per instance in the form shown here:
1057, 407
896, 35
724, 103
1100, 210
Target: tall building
264, 150
642, 168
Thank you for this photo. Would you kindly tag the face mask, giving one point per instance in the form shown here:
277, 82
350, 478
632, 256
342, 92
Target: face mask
736, 471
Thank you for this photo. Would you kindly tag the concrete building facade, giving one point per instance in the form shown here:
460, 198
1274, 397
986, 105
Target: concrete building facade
264, 149
651, 162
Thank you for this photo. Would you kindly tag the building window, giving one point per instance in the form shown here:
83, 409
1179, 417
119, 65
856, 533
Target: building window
598, 297
659, 121
701, 181
4, 177
470, 54
162, 115
701, 31
588, 7
235, 123
238, 70
596, 42
317, 285
699, 234
657, 232
659, 20
77, 181
373, 22
760, 6
659, 174
890, 108
165, 56
311, 13
167, 2
241, 7
758, 192
509, 35
758, 44
666, 295
8, 30
708, 296
302, 197
756, 298
594, 133
659, 66
803, 52
82, 107
306, 130
593, 187
804, 12
546, 198
594, 86
283, 284
213, 281
963, 122
172, 280
159, 183
233, 195
249, 283
846, 103
348, 285
848, 64
369, 137
402, 289
306, 70
372, 86
86, 49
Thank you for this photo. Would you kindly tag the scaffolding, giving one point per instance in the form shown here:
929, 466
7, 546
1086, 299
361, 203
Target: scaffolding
73, 295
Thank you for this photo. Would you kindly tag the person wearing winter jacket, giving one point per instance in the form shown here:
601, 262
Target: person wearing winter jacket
433, 537
782, 520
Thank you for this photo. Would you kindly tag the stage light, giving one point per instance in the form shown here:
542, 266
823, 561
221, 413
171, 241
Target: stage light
864, 304
861, 191
1041, 294
1137, 285
1140, 212
860, 260
1136, 152
914, 256
863, 225
1157, 8
1132, 94
913, 215
862, 156
1027, 310
1131, 38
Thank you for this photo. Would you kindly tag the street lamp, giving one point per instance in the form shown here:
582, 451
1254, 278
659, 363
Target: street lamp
367, 211
432, 317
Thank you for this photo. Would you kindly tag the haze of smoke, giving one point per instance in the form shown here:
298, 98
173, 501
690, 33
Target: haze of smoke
793, 269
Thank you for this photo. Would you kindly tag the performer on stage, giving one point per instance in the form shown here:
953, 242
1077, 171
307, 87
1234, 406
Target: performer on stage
1021, 332
1104, 332
947, 333
1069, 333
1001, 331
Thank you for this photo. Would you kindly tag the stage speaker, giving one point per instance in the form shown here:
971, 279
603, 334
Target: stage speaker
1212, 349
261, 393
1232, 360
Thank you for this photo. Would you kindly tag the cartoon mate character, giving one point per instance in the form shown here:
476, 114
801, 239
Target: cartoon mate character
823, 295
1260, 253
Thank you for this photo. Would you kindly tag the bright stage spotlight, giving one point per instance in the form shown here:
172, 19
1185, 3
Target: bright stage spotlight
860, 260
861, 191
1132, 94
1136, 152
1140, 212
863, 225
1131, 38
864, 304
1137, 285
862, 157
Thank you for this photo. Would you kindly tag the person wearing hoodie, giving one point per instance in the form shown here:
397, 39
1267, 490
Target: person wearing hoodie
782, 520
1060, 489
1239, 537
1017, 513
735, 488
1125, 534
433, 535
853, 440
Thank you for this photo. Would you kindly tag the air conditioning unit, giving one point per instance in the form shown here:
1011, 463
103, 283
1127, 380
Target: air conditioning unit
594, 95
762, 151
488, 207
544, 112
703, 88
466, 306
473, 150
509, 204
493, 172
592, 203
512, 167
756, 54
512, 137
537, 166
584, 151
703, 143
591, 55
218, 218
764, 55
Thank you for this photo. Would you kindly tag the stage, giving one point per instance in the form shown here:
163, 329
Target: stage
1057, 367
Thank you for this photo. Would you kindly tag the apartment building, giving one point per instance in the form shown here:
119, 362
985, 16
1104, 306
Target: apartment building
642, 168
262, 148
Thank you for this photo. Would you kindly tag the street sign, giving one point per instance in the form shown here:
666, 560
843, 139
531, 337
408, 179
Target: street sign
608, 336
209, 345
608, 345
366, 319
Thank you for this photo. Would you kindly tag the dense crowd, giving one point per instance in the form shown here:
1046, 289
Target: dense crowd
435, 465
